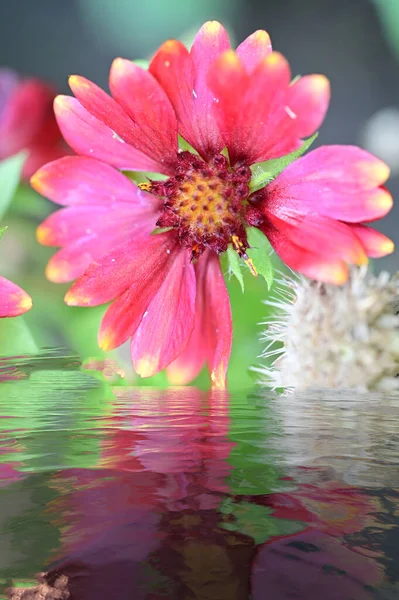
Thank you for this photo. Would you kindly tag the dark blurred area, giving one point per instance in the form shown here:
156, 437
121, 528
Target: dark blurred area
353, 42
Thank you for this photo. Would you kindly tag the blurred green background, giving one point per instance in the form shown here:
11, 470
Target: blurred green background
356, 44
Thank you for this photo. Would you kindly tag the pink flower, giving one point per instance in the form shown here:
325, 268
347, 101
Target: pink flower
168, 291
13, 300
27, 121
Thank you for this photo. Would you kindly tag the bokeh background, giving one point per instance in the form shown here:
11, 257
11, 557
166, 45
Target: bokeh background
355, 43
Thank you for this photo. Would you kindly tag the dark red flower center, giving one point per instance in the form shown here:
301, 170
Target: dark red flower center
205, 202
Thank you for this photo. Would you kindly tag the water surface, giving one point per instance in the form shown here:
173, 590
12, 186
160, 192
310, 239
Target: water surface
183, 494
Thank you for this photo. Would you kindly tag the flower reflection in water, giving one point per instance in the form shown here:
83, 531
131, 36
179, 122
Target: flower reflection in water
147, 521
188, 494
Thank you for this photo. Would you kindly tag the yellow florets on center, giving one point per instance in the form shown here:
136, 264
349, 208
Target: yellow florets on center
205, 203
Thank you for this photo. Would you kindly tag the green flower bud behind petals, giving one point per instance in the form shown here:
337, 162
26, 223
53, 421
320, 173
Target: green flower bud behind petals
264, 172
336, 337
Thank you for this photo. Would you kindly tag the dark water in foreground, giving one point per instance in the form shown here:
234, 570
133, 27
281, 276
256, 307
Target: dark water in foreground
137, 493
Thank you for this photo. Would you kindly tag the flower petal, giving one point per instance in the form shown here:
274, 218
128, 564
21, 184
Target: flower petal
24, 115
79, 180
117, 270
322, 235
184, 78
348, 165
335, 181
68, 225
218, 321
190, 362
307, 102
375, 243
211, 338
13, 300
211, 40
111, 113
146, 103
310, 264
254, 49
71, 261
254, 121
89, 136
123, 317
169, 320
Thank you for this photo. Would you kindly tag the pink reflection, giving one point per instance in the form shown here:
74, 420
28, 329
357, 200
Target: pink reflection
164, 453
180, 434
311, 566
317, 562
9, 450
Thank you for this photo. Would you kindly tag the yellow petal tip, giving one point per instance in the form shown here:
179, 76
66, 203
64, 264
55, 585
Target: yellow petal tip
25, 303
218, 377
147, 366
274, 60
383, 200
43, 235
387, 247
212, 27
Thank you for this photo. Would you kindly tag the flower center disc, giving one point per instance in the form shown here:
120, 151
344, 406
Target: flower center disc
204, 202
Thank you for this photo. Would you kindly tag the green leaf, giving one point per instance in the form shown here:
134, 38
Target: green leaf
260, 254
263, 173
15, 337
234, 265
2, 231
10, 174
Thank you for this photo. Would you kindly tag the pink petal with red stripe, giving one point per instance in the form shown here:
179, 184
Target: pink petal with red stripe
13, 300
314, 266
111, 112
183, 76
254, 49
218, 321
211, 338
68, 225
339, 182
322, 235
193, 358
253, 122
88, 136
375, 243
123, 317
79, 180
307, 103
167, 324
149, 108
114, 272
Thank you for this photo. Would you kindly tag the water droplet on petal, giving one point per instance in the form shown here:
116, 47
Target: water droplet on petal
290, 112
